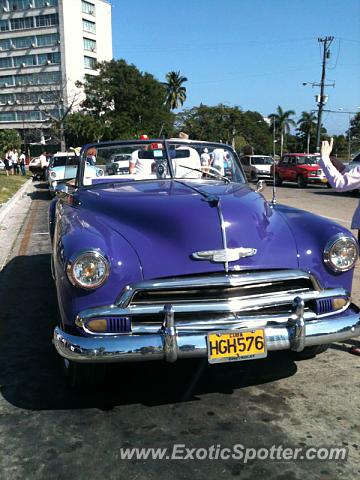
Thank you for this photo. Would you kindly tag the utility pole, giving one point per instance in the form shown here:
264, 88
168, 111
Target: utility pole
322, 98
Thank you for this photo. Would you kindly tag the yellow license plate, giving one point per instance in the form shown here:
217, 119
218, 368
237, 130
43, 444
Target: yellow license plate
234, 345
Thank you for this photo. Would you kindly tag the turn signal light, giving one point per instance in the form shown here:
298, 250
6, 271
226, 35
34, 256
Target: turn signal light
97, 325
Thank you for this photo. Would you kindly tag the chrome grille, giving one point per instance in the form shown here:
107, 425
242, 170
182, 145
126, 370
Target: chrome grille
207, 293
218, 301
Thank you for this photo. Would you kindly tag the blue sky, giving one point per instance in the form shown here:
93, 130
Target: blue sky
251, 53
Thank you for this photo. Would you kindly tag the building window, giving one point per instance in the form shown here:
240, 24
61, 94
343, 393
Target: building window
18, 4
5, 44
41, 78
7, 99
7, 81
90, 62
89, 45
22, 42
22, 23
52, 57
7, 117
47, 20
89, 26
5, 62
47, 40
25, 61
88, 7
44, 3
4, 25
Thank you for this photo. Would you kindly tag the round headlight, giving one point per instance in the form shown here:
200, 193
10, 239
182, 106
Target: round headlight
99, 172
341, 252
52, 174
88, 270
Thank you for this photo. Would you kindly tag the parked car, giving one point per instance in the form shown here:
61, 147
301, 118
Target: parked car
178, 263
2, 165
301, 168
257, 167
63, 166
118, 164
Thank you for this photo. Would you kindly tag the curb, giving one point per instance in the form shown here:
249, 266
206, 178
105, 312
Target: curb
4, 209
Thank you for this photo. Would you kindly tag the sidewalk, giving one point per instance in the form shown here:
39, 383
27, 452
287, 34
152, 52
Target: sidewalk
12, 216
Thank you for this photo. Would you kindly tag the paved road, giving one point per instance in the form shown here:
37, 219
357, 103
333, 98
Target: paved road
50, 432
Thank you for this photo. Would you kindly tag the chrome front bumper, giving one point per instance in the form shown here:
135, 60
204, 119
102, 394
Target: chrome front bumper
170, 345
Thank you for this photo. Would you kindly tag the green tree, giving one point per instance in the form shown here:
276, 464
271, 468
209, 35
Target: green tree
127, 101
341, 146
226, 124
283, 123
81, 128
9, 139
175, 91
354, 132
306, 127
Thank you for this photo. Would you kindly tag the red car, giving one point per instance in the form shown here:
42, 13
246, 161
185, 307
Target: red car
301, 168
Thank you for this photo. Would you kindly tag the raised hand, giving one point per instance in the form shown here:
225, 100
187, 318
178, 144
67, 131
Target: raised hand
326, 147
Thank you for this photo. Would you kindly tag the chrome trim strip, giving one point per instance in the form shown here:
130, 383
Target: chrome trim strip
223, 233
128, 348
232, 305
230, 280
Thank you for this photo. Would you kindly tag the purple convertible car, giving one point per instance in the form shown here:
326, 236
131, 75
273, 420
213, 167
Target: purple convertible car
177, 257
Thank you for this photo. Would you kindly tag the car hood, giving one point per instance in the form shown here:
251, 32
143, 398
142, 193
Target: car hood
167, 221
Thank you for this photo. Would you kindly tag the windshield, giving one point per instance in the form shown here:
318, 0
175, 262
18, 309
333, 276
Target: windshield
63, 161
262, 161
147, 160
307, 160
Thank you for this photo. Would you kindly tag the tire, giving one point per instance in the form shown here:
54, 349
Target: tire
328, 185
253, 177
310, 352
79, 375
301, 181
278, 181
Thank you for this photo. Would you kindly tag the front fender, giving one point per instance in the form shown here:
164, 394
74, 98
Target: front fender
75, 234
311, 233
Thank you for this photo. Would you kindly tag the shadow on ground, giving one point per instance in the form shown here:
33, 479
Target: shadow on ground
31, 375
41, 191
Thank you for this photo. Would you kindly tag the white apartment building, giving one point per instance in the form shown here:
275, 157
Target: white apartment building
46, 46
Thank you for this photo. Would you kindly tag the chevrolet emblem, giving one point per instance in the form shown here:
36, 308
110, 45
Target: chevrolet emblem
225, 255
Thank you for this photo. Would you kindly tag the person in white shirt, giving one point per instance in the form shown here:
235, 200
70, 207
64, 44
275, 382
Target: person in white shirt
22, 161
218, 160
139, 165
205, 160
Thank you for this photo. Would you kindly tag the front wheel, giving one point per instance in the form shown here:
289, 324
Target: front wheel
301, 181
310, 352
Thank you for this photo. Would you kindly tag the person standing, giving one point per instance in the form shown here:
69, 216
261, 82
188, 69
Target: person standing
341, 180
11, 161
7, 163
43, 163
15, 162
205, 160
22, 161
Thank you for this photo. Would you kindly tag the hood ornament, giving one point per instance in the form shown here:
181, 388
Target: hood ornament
225, 255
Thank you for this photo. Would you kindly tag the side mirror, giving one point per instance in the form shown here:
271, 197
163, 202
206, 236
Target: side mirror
61, 189
260, 186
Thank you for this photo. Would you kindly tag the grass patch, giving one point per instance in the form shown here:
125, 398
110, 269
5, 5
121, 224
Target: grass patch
10, 185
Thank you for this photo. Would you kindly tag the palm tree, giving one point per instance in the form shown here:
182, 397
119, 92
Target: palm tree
307, 125
282, 121
175, 91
